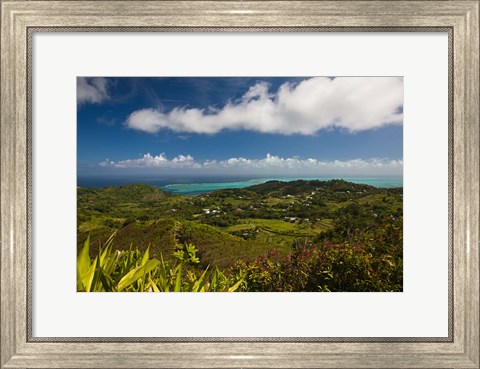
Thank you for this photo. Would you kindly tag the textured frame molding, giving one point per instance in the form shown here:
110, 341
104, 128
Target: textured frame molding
30, 33
19, 18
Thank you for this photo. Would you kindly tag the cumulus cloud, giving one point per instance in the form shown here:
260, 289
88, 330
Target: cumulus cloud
270, 164
150, 161
92, 90
351, 103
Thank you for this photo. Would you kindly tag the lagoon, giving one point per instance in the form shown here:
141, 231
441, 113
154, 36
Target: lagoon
206, 187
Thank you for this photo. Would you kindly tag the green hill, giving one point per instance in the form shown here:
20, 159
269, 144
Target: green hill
135, 192
159, 235
308, 186
215, 247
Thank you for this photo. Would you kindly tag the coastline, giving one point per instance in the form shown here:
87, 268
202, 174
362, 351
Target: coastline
206, 185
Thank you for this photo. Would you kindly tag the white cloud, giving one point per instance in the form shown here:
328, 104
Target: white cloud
351, 103
92, 90
270, 164
150, 161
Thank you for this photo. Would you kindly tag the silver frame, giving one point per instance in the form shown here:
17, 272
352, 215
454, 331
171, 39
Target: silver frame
20, 19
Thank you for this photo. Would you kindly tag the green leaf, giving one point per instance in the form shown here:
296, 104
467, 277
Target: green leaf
106, 283
104, 255
162, 281
200, 283
96, 285
146, 256
88, 278
137, 273
83, 260
178, 279
235, 286
111, 262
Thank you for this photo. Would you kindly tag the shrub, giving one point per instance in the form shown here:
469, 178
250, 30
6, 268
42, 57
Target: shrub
369, 262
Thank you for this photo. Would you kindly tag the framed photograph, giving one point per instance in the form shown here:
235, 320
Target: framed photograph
304, 209
314, 166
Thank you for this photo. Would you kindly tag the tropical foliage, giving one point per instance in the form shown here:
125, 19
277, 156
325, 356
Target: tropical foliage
134, 271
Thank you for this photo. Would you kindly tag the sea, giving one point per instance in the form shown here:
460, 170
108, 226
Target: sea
196, 186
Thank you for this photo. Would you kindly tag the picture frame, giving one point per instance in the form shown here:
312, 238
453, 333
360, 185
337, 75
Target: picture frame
20, 19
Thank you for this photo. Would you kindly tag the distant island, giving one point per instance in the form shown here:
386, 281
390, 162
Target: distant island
300, 235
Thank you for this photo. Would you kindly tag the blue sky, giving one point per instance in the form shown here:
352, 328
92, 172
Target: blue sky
240, 126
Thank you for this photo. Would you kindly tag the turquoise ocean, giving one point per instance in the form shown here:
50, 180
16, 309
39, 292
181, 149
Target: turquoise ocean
197, 186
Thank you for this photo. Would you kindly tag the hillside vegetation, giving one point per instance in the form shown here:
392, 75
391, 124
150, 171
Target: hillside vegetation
276, 236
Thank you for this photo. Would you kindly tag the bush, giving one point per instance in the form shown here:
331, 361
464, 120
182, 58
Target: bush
370, 262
